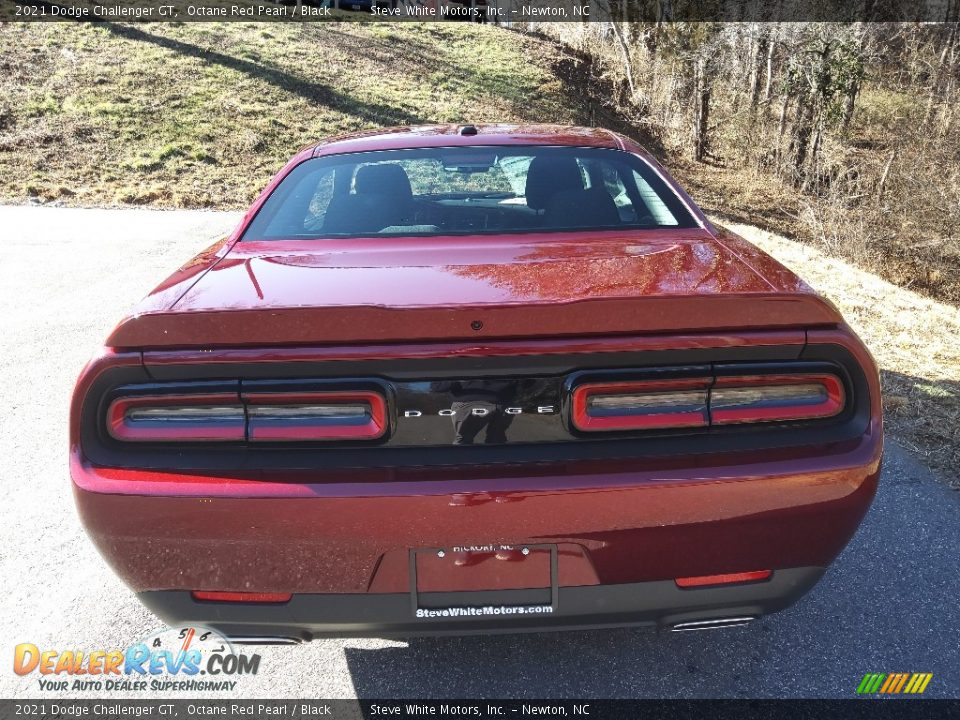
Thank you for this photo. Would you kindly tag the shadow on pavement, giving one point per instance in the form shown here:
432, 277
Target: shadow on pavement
888, 604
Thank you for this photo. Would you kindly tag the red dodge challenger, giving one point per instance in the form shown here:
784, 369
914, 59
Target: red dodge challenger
463, 379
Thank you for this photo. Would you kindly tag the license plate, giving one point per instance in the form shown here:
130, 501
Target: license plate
483, 581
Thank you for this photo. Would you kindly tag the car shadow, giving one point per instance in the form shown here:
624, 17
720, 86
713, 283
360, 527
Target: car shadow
882, 606
620, 663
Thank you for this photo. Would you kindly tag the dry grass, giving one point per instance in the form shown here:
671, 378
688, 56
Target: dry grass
915, 340
203, 114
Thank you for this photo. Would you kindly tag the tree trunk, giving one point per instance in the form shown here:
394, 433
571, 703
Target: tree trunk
768, 89
701, 113
801, 138
756, 56
849, 103
784, 108
939, 73
882, 186
811, 180
625, 54
664, 11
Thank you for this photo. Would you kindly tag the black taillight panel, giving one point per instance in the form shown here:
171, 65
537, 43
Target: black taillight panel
577, 414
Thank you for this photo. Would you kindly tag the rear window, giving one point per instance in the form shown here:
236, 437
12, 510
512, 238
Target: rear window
471, 190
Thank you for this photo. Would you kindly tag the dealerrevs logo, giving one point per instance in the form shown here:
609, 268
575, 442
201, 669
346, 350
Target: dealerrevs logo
186, 659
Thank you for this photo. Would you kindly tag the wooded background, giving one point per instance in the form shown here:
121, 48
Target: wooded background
852, 128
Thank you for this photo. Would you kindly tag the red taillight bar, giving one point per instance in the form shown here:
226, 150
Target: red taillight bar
702, 402
726, 579
346, 415
258, 417
183, 418
645, 405
240, 597
767, 398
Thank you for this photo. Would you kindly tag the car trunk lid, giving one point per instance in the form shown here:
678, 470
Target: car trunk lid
479, 287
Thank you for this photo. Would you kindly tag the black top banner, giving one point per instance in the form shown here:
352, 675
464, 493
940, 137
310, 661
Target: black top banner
494, 11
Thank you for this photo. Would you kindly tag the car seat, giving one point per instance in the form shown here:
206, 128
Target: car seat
382, 197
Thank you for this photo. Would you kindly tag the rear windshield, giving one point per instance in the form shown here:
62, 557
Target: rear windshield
467, 190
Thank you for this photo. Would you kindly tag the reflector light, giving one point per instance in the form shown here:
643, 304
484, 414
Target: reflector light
727, 579
775, 397
240, 597
645, 405
274, 417
183, 418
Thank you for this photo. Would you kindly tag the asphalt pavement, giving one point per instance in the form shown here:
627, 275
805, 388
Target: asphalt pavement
889, 604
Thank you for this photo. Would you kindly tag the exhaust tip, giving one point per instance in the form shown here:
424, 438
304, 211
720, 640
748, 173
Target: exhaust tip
715, 624
267, 640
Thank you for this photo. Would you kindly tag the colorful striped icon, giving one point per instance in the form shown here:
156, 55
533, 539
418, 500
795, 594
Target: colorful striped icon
894, 683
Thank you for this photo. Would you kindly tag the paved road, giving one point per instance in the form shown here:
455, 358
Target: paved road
889, 604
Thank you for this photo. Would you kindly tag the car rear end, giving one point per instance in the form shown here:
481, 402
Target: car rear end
287, 523
391, 434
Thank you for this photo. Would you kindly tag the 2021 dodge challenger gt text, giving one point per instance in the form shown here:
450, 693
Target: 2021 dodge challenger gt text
475, 379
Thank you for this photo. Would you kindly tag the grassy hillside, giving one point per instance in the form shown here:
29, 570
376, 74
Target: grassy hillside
201, 115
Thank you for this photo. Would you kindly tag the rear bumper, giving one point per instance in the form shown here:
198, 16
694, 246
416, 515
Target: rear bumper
638, 525
660, 604
622, 538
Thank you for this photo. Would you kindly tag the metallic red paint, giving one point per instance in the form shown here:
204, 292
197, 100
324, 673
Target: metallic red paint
782, 508
430, 289
385, 289
613, 521
633, 525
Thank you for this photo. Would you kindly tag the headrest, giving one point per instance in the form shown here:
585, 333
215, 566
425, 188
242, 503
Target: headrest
547, 176
593, 208
387, 179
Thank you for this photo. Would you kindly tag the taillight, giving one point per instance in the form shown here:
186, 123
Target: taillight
768, 398
641, 405
181, 418
703, 402
256, 417
316, 416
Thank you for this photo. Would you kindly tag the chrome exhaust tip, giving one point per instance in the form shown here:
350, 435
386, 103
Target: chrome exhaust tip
267, 640
716, 624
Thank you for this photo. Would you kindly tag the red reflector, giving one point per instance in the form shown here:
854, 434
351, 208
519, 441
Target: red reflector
644, 405
728, 579
181, 418
766, 398
240, 597
338, 415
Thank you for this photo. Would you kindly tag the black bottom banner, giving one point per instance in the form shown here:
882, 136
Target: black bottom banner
109, 709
